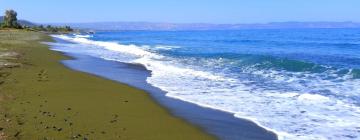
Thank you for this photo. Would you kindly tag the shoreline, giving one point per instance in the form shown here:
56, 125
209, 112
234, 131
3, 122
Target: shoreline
48, 100
160, 96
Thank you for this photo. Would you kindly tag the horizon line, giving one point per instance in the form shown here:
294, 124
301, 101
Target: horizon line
159, 22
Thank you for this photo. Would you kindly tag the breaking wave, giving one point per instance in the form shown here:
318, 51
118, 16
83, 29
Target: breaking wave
295, 99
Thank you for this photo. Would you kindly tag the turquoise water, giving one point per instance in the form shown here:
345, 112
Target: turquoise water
299, 83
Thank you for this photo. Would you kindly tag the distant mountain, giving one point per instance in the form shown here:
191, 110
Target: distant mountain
104, 26
21, 22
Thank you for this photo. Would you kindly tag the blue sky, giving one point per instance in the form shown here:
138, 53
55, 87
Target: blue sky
184, 11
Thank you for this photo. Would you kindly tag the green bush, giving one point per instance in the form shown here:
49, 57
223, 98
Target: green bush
10, 20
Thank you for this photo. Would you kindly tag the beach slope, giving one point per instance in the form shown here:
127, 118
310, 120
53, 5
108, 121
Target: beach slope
42, 99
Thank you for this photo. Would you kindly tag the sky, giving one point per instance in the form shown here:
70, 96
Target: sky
184, 11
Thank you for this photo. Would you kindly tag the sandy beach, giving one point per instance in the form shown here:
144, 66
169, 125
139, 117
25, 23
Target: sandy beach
42, 99
179, 70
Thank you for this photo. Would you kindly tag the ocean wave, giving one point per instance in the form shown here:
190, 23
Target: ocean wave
113, 46
82, 36
309, 111
164, 47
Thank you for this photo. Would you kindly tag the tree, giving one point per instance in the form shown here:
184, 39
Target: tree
68, 29
10, 19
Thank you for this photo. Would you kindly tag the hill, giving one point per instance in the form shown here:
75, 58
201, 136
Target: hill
108, 26
21, 22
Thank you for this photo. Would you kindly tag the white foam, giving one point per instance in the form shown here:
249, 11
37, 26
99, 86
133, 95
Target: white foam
113, 46
315, 98
303, 114
83, 36
163, 47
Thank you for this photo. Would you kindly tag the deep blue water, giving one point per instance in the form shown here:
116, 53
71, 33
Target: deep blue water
299, 83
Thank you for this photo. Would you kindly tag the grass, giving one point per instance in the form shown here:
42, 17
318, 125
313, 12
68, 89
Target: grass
44, 100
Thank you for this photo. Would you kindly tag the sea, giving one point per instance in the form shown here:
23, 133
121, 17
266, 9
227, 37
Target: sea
301, 84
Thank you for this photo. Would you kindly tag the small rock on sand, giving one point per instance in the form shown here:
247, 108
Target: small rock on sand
17, 134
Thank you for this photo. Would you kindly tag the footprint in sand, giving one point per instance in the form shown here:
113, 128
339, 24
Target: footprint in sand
43, 76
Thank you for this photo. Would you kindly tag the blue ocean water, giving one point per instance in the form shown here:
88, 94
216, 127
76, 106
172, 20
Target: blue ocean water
298, 83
